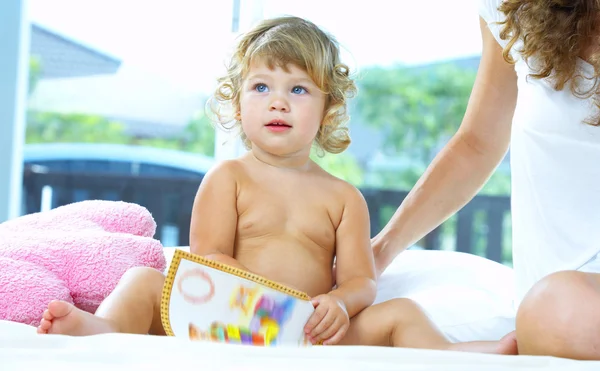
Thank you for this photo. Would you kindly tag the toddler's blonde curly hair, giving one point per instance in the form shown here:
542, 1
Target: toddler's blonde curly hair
279, 42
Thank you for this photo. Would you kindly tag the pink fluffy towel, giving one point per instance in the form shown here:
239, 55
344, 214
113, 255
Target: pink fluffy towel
76, 253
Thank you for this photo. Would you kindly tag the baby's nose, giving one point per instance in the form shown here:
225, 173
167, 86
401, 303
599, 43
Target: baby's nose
279, 104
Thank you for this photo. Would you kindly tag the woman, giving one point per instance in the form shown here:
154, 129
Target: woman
536, 90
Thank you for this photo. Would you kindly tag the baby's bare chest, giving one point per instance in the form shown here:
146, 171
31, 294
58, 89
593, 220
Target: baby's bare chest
288, 211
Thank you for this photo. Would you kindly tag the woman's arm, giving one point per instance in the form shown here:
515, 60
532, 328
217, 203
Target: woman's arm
464, 165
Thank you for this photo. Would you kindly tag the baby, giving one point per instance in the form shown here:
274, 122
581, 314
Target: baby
276, 213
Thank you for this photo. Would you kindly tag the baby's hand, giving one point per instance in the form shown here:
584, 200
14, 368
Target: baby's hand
329, 322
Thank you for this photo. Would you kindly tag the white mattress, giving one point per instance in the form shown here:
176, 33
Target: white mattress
25, 351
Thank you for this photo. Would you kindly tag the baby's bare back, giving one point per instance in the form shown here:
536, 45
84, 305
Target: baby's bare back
286, 226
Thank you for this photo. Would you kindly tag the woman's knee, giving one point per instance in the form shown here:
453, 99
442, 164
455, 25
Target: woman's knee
556, 312
554, 291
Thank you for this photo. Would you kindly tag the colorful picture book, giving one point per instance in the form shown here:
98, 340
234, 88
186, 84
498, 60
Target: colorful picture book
210, 301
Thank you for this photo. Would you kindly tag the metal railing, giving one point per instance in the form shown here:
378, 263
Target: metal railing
479, 228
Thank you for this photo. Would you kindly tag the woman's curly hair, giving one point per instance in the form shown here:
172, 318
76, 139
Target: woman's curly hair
279, 42
556, 33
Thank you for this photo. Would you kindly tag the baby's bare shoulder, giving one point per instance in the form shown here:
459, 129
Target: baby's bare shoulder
233, 169
343, 190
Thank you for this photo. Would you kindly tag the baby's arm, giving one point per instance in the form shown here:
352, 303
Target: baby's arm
355, 267
214, 215
355, 274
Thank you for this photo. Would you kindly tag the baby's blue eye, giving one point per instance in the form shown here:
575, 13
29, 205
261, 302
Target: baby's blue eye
261, 88
298, 90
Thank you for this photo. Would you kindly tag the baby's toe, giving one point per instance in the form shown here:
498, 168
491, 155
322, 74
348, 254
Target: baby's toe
45, 325
47, 315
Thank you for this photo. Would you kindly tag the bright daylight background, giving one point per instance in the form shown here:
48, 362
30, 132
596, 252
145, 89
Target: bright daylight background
137, 74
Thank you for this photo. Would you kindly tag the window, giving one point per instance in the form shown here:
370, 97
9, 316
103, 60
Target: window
137, 74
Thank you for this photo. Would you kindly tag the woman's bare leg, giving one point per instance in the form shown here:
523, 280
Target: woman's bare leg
133, 307
560, 317
403, 323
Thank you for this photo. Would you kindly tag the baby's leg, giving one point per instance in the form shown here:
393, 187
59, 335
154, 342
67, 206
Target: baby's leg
133, 307
402, 323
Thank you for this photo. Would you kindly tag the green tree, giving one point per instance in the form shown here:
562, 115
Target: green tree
49, 127
45, 127
341, 165
417, 110
52, 127
198, 137
34, 72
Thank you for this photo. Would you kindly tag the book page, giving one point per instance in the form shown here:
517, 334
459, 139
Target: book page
208, 301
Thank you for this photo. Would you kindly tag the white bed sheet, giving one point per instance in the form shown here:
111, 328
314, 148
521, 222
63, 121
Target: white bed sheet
26, 351
22, 349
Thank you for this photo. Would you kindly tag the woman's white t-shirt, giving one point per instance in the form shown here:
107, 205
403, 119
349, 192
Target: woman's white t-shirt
555, 170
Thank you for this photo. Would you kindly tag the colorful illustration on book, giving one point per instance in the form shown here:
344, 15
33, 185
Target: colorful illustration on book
203, 300
262, 318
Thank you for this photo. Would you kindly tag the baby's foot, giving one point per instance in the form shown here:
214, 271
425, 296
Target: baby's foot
507, 345
65, 319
